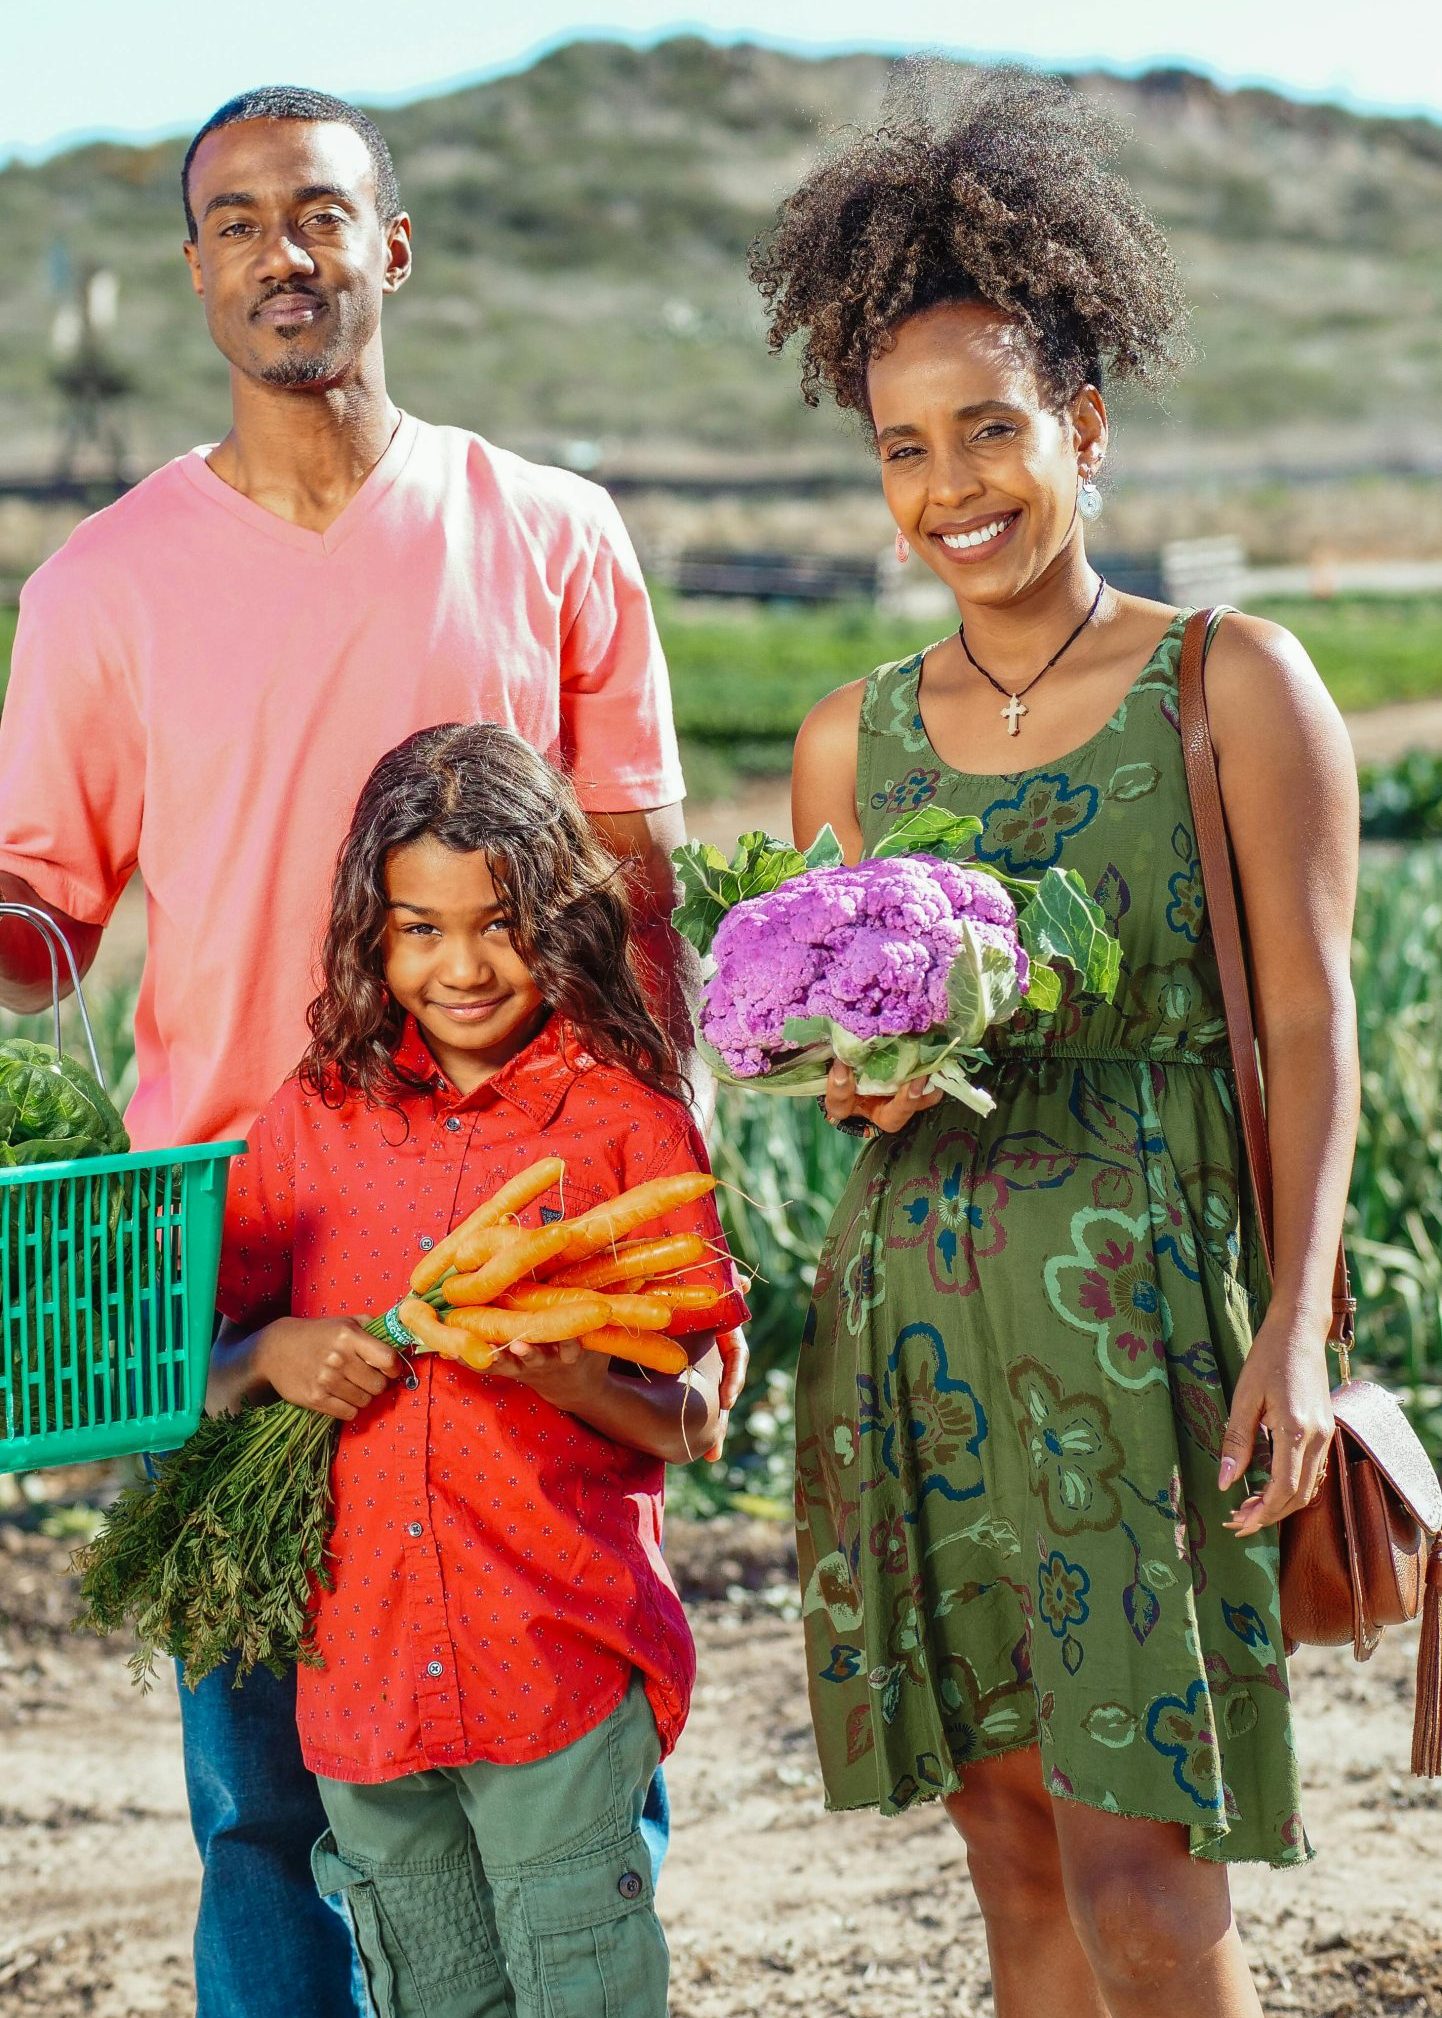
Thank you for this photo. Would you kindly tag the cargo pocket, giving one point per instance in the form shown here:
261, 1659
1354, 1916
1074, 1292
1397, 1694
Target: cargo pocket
422, 1931
593, 1939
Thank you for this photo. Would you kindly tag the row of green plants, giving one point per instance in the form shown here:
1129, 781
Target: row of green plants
1396, 1207
744, 676
1403, 801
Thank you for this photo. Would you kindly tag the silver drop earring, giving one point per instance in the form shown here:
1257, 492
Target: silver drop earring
1089, 498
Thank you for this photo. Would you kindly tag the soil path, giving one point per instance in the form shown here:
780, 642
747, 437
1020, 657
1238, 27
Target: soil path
774, 1909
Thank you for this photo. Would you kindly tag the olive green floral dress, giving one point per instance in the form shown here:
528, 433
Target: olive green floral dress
1022, 1347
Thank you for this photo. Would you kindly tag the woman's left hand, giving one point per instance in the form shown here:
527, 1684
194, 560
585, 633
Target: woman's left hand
1283, 1389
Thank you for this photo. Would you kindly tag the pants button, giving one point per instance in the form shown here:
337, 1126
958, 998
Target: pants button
629, 1885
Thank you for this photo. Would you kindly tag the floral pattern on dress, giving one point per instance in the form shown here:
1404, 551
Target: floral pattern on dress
1026, 832
1109, 1286
1075, 1460
953, 1211
1187, 908
1181, 1729
927, 1423
1062, 1603
863, 1281
904, 795
1170, 1005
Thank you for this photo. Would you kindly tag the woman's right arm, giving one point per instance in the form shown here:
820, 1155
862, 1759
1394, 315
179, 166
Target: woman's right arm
823, 791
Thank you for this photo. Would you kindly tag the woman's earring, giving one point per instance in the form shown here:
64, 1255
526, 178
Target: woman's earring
903, 551
1089, 498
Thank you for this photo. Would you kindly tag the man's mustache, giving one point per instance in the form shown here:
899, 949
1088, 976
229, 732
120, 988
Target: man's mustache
289, 289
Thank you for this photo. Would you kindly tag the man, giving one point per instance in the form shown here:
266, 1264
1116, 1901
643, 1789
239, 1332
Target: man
203, 678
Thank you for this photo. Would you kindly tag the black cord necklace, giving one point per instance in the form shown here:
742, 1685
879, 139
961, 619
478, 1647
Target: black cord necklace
1014, 710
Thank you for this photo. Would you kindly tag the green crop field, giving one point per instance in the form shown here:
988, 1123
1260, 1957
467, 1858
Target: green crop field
744, 675
743, 678
1369, 649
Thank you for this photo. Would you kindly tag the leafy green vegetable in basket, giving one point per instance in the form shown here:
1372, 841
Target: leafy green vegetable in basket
53, 1240
52, 1109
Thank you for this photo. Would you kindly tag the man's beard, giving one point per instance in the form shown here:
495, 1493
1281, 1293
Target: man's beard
301, 369
347, 331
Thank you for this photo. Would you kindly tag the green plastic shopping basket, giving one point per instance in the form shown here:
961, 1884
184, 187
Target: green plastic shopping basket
108, 1266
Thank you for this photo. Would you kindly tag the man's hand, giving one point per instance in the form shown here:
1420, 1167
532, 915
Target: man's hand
735, 1359
24, 955
328, 1364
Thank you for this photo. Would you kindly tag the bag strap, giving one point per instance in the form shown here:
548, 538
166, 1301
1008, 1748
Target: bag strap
1219, 884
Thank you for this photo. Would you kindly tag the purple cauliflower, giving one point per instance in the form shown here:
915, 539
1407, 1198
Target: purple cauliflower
870, 948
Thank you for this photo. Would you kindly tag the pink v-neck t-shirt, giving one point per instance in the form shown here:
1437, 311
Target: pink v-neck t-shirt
200, 689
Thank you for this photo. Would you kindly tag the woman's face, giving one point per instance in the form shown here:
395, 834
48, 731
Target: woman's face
450, 963
979, 470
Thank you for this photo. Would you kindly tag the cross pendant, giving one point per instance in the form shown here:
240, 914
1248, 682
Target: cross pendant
1013, 711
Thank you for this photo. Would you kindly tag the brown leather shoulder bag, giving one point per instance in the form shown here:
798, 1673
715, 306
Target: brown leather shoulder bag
1365, 1553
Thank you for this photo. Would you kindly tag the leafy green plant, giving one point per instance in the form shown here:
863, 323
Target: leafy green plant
781, 1168
1395, 1217
1403, 801
51, 1108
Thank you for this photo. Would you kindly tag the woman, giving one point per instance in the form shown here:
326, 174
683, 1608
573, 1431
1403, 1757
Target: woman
1040, 1565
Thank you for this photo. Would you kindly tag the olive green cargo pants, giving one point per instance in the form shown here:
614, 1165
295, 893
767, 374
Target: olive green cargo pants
506, 1891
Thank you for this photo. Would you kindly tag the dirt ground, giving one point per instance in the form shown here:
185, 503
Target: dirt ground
772, 1906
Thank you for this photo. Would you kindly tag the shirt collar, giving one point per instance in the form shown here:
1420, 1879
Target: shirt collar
536, 1080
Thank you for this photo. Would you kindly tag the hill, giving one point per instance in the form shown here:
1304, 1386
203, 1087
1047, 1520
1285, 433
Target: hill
582, 229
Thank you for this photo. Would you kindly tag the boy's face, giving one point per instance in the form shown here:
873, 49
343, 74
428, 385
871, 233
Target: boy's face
450, 963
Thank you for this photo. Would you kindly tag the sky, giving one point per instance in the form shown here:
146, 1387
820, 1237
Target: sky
140, 69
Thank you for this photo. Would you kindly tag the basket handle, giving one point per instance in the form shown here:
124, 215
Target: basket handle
51, 933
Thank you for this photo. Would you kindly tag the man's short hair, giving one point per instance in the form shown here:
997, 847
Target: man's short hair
293, 101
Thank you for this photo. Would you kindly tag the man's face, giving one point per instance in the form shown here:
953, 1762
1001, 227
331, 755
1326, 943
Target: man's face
290, 255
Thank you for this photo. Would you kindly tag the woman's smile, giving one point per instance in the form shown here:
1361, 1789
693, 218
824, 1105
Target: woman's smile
974, 539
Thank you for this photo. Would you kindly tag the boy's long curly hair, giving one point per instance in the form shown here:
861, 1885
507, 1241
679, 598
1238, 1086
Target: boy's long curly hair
479, 789
992, 186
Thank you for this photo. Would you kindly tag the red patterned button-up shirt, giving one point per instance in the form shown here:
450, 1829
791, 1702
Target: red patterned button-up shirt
497, 1563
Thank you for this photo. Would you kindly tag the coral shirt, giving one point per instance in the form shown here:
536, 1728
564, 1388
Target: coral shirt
201, 688
498, 1570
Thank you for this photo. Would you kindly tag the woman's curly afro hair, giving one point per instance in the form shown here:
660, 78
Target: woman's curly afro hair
995, 186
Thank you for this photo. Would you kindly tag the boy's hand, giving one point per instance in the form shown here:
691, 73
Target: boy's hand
326, 1363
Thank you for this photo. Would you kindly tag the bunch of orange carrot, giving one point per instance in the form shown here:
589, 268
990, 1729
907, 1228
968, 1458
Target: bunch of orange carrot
492, 1283
223, 1551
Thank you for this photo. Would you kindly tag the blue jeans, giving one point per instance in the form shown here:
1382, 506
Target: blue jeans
266, 1944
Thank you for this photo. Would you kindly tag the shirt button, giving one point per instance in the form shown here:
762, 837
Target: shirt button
435, 1667
453, 1122
426, 1243
629, 1885
414, 1528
